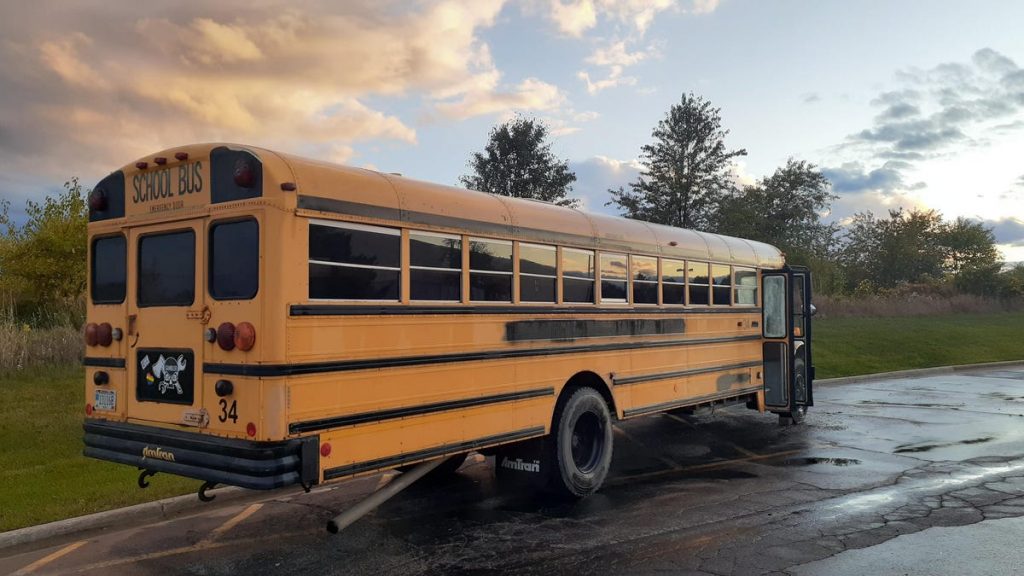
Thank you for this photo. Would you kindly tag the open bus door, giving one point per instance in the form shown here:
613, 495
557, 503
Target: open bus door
786, 329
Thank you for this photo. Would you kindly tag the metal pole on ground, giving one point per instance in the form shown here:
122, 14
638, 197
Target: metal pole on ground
367, 505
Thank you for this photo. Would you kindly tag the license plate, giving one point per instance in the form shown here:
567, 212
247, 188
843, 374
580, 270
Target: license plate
165, 376
105, 400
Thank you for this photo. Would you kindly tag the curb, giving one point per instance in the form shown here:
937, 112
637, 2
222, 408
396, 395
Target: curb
158, 510
916, 373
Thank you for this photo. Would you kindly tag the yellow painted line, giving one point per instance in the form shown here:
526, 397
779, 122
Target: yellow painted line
47, 559
234, 521
734, 445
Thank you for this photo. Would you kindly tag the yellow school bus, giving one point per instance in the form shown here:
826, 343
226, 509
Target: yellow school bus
260, 320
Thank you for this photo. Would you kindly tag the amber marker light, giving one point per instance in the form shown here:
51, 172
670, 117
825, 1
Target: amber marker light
245, 336
226, 336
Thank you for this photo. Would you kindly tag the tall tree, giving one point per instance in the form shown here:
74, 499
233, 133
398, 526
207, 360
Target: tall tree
783, 209
967, 244
686, 169
888, 251
517, 161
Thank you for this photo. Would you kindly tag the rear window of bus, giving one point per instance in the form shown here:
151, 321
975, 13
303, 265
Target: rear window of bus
234, 260
109, 270
167, 269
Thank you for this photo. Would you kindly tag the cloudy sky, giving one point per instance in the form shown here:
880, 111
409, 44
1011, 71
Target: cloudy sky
909, 103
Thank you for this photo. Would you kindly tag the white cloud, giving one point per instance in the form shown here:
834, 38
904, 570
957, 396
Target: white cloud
576, 17
614, 78
529, 95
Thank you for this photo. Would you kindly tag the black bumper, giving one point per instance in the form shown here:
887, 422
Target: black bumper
255, 465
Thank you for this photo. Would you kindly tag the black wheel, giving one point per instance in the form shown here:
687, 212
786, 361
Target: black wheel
580, 448
443, 470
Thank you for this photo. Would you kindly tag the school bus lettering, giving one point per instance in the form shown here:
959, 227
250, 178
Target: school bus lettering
295, 322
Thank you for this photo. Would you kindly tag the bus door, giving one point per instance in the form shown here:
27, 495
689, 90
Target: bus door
786, 330
164, 328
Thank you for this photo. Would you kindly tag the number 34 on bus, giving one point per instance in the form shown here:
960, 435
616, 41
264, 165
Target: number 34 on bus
260, 320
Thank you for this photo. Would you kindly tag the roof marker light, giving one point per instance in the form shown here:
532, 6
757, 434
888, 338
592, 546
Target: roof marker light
288, 186
181, 156
160, 160
141, 165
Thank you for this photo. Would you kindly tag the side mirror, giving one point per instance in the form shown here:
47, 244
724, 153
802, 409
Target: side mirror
814, 309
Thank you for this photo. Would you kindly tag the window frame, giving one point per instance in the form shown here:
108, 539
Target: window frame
360, 227
92, 269
461, 271
510, 273
656, 282
690, 284
685, 283
554, 250
715, 287
625, 280
737, 287
562, 276
138, 268
209, 257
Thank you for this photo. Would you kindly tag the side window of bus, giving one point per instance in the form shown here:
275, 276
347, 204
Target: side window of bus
673, 282
167, 269
490, 270
746, 286
614, 278
538, 273
577, 275
644, 271
109, 270
722, 276
234, 260
354, 261
699, 279
435, 266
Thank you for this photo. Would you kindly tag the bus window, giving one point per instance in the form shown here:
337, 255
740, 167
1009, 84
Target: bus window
490, 270
577, 275
645, 279
698, 277
722, 276
167, 269
109, 270
774, 306
435, 267
614, 278
234, 260
746, 286
673, 282
353, 261
538, 273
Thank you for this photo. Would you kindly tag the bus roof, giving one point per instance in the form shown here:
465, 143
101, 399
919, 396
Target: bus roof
368, 193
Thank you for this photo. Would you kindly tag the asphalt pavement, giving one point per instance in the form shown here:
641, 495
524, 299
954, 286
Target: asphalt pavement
891, 476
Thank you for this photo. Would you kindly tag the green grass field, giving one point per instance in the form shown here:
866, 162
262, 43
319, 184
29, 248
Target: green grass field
42, 471
851, 346
45, 477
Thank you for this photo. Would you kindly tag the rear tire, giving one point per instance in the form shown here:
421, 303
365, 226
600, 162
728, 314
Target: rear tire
578, 452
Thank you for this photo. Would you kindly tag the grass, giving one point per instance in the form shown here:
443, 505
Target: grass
852, 346
42, 470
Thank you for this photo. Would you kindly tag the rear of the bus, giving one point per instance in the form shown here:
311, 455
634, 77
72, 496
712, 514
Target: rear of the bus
176, 272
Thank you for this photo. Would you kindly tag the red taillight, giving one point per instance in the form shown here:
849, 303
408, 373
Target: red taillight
325, 449
98, 200
90, 334
104, 334
181, 156
88, 409
245, 176
245, 336
226, 336
250, 429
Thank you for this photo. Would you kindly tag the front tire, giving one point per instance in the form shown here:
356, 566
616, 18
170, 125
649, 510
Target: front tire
579, 452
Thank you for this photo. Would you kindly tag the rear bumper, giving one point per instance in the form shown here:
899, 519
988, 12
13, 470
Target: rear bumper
255, 465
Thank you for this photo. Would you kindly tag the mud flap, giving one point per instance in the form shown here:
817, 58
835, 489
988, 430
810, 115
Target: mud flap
522, 465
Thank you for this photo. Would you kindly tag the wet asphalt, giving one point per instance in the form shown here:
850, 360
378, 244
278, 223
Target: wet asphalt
911, 476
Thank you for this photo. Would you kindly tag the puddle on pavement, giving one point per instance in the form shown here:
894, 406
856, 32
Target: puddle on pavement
910, 448
810, 461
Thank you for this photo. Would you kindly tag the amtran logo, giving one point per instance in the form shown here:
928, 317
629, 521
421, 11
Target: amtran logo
158, 453
520, 466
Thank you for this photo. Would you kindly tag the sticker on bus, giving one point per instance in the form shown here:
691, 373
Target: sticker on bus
105, 400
